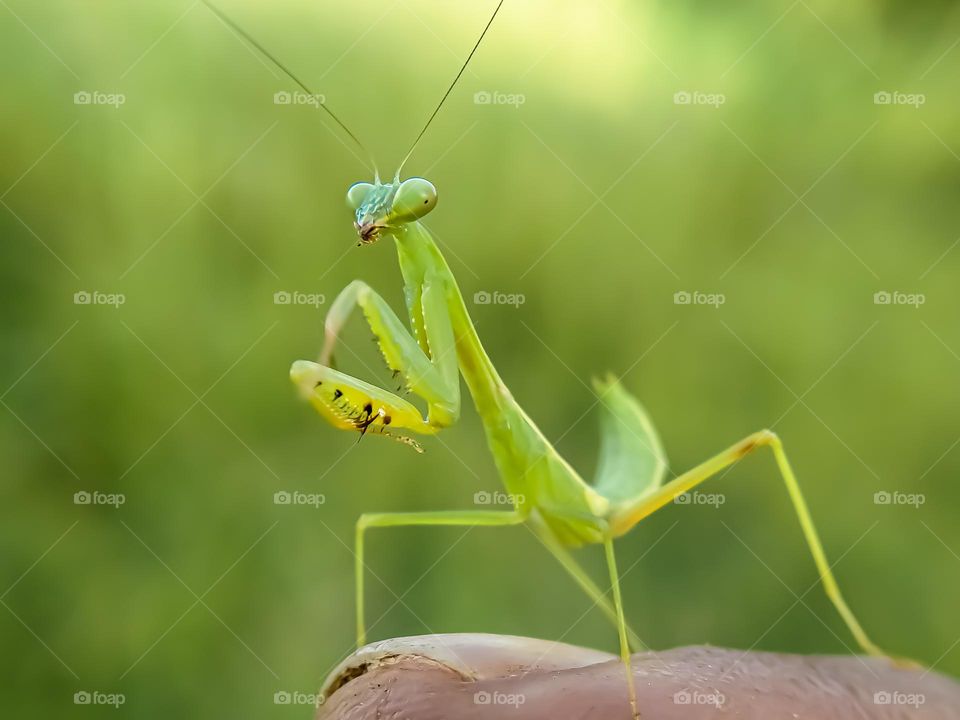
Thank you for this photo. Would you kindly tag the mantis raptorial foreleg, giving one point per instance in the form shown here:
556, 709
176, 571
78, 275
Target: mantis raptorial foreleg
427, 363
711, 467
467, 518
428, 366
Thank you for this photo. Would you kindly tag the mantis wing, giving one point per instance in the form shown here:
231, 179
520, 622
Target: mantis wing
632, 462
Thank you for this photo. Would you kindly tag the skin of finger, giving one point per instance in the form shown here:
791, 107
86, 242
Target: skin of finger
694, 683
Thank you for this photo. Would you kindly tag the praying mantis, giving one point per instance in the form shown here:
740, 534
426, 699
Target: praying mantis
439, 347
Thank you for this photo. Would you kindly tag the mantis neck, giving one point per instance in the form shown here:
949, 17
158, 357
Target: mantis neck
422, 263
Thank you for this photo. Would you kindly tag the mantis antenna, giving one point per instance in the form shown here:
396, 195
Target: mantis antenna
263, 51
450, 89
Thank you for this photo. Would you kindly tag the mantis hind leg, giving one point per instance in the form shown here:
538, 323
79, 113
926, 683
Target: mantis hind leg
624, 520
463, 518
586, 583
621, 625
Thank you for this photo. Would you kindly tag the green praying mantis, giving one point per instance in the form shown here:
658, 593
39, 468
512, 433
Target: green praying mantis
440, 346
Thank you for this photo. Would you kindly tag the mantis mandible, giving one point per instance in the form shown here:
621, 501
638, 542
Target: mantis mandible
440, 346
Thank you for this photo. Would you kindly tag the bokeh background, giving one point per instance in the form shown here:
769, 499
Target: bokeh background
784, 188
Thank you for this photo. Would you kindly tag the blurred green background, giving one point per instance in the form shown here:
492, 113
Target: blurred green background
783, 185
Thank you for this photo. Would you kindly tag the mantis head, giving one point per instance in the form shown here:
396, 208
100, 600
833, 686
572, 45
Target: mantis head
377, 206
387, 207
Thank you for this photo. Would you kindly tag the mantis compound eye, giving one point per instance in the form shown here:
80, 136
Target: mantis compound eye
357, 193
414, 199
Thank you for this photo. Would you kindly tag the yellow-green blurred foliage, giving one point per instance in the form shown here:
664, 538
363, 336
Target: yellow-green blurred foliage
783, 185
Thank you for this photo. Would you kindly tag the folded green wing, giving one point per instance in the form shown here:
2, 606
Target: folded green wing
632, 462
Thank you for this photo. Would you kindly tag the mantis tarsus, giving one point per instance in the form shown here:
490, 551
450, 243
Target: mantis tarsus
442, 345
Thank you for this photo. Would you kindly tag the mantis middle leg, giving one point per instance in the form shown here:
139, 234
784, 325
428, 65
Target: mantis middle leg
463, 518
